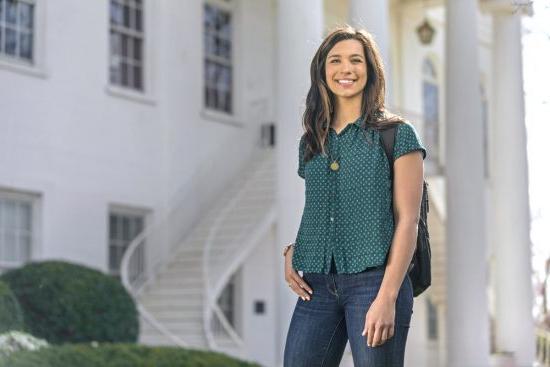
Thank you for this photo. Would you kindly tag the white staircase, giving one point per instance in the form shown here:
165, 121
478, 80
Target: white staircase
178, 304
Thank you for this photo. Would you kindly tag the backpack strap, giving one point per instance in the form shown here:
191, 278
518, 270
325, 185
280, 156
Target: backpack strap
388, 138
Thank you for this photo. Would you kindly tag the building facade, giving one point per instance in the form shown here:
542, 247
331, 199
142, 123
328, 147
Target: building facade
157, 141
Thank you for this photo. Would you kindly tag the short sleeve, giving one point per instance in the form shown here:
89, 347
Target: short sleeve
301, 149
407, 140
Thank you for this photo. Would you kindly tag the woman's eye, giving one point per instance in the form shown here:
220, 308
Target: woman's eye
333, 61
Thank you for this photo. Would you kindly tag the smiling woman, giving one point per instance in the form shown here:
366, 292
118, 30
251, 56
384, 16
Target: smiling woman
353, 255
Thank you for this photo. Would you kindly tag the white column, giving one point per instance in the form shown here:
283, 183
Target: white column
467, 317
373, 15
300, 31
512, 247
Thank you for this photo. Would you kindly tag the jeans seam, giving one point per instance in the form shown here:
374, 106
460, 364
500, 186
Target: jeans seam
330, 341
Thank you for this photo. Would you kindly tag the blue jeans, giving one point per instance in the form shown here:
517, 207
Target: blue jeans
320, 328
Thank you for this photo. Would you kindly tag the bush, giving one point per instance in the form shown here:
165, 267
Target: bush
11, 317
15, 340
119, 355
64, 302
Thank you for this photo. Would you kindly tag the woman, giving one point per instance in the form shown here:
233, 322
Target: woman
358, 232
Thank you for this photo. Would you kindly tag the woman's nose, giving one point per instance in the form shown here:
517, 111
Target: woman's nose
346, 66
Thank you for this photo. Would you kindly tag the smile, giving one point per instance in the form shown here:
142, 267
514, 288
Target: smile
345, 81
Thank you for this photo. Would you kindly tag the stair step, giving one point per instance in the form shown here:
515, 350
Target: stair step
170, 293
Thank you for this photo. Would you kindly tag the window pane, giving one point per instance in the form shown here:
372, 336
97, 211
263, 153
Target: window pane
137, 77
137, 49
25, 15
125, 228
11, 41
209, 15
25, 47
124, 73
8, 215
116, 43
11, 12
116, 13
125, 45
225, 49
24, 247
24, 216
9, 245
126, 16
139, 23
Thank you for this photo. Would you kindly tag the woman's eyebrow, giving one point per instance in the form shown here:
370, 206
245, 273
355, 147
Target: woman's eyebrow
337, 55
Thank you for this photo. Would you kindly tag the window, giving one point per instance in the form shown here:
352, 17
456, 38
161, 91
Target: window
432, 320
226, 300
124, 227
126, 40
218, 68
16, 229
17, 29
430, 107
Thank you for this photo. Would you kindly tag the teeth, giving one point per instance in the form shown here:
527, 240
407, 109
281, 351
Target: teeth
345, 81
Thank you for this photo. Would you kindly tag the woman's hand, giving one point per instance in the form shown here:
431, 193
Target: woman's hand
294, 280
379, 322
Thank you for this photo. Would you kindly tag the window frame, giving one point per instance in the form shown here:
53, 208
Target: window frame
147, 94
35, 244
121, 210
36, 67
235, 117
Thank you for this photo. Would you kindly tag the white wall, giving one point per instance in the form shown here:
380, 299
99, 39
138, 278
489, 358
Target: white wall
258, 284
82, 146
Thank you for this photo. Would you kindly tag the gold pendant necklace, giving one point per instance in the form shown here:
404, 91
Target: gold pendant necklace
334, 166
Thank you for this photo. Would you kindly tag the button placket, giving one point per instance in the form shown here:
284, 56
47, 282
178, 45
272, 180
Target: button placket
332, 203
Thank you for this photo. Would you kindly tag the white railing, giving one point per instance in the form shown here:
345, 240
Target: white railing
215, 322
140, 267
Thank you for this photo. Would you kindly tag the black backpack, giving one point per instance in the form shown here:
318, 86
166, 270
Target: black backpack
420, 267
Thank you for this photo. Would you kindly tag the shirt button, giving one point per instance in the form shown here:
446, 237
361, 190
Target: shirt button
331, 219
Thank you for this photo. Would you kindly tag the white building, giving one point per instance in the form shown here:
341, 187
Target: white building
146, 127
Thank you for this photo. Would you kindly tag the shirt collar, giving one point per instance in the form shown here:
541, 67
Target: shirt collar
359, 121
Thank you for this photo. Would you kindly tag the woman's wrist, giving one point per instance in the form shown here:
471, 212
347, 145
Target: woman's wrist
288, 247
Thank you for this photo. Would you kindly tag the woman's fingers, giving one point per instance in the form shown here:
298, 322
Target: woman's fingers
298, 285
301, 282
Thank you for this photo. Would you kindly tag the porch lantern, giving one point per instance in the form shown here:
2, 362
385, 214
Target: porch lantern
425, 32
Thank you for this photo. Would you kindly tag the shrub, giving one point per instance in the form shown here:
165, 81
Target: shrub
64, 302
14, 341
120, 355
11, 317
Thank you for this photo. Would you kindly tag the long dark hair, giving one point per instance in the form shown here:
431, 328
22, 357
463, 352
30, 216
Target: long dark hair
320, 100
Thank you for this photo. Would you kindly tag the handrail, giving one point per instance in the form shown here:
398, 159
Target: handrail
162, 233
227, 326
209, 299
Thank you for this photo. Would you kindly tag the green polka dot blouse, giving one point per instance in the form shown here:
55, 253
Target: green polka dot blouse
347, 213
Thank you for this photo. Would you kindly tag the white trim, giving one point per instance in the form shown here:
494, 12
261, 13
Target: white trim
216, 116
129, 94
36, 68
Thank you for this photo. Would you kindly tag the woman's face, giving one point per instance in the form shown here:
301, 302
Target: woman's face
346, 69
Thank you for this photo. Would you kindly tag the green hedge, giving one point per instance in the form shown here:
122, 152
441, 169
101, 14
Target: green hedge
64, 302
119, 355
11, 317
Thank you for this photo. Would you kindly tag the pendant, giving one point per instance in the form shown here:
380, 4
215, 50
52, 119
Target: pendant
334, 166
